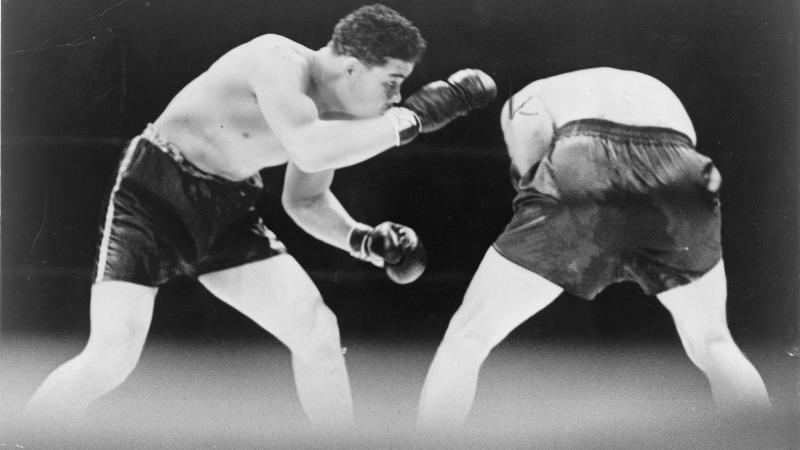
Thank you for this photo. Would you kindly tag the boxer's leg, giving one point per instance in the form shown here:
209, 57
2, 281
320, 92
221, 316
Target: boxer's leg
120, 314
280, 297
500, 297
698, 310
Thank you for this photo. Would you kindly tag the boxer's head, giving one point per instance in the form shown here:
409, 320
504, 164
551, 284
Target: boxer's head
374, 34
380, 48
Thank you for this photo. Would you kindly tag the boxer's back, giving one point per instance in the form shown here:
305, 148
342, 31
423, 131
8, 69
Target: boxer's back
626, 97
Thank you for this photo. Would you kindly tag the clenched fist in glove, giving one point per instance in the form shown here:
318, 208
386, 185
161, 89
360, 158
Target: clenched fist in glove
393, 246
438, 103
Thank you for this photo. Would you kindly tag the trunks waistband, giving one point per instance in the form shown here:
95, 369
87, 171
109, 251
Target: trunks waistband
152, 135
619, 131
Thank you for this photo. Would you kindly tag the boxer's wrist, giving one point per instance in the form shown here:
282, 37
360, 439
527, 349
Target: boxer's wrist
358, 240
407, 124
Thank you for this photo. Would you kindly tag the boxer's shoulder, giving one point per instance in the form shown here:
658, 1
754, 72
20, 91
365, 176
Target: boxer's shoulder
269, 56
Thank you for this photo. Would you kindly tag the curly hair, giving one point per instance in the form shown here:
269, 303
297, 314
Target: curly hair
375, 33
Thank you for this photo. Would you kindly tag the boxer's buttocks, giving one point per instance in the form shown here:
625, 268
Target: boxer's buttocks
612, 202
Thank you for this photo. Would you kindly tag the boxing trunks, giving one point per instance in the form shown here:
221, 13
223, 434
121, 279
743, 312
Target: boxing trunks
612, 202
167, 218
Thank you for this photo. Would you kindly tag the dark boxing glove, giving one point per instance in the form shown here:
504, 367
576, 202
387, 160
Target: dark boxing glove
392, 246
438, 103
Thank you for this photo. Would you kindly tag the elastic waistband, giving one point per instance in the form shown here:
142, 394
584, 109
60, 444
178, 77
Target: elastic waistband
618, 131
152, 135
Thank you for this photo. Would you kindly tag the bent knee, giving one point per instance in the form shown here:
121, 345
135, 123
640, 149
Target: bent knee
121, 336
317, 333
465, 340
116, 350
325, 326
109, 363
703, 346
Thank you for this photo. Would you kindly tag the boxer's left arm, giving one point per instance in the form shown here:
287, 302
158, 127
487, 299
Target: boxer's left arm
308, 200
310, 203
527, 129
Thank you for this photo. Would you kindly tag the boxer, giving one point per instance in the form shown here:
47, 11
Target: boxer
609, 188
183, 202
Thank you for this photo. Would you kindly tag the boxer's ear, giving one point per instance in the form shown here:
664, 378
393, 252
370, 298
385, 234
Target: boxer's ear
352, 66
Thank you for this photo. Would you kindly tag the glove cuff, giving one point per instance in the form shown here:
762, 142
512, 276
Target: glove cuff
358, 239
407, 124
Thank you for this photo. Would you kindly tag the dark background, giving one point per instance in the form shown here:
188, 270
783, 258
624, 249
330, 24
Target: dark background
81, 77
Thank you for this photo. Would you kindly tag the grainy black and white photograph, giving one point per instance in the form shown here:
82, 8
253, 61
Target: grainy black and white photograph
400, 224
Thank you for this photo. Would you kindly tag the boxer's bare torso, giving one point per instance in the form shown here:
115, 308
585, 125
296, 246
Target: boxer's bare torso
216, 120
261, 104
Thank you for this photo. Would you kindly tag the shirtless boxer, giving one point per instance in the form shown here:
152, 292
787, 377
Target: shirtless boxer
183, 200
609, 188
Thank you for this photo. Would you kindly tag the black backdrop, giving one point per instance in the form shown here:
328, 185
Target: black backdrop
80, 77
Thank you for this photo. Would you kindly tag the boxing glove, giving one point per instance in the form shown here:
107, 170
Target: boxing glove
392, 246
440, 102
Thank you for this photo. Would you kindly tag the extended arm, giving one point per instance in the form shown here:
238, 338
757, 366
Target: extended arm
317, 145
314, 144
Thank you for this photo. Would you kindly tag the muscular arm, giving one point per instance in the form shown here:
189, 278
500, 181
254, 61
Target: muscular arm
310, 203
313, 144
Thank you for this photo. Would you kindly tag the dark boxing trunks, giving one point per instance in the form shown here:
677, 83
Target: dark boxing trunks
167, 218
612, 202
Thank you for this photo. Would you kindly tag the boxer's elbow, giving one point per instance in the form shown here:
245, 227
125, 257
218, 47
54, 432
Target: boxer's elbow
297, 207
307, 212
310, 152
309, 162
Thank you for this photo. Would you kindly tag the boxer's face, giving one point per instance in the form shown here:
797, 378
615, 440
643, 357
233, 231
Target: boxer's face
371, 90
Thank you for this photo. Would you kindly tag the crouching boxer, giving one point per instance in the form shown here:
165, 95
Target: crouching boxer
183, 200
609, 188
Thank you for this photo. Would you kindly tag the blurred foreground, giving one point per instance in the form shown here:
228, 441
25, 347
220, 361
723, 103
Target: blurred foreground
240, 393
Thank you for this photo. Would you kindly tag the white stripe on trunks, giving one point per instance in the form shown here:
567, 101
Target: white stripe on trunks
123, 167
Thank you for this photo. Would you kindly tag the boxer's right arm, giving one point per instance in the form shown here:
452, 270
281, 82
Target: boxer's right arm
314, 144
440, 102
